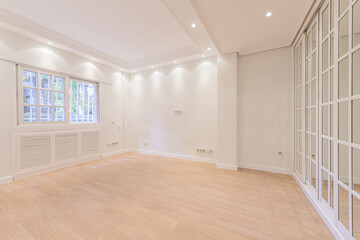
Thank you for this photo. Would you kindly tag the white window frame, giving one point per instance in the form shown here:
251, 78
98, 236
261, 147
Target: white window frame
20, 97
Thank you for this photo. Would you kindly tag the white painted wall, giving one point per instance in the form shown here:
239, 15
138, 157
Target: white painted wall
265, 110
155, 95
17, 49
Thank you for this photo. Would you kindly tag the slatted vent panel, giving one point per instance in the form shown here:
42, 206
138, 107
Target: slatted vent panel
66, 147
35, 151
89, 143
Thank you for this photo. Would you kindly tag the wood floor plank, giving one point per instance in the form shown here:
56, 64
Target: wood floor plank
135, 196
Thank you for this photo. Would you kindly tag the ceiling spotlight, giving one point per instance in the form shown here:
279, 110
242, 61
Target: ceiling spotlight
152, 67
93, 59
209, 49
133, 70
193, 25
175, 61
50, 43
202, 55
268, 14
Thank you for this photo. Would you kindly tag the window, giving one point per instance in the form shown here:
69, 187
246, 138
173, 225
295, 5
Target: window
82, 102
45, 97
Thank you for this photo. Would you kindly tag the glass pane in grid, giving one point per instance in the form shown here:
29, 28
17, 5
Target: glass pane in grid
343, 121
344, 164
331, 192
313, 147
325, 123
356, 121
325, 153
29, 78
356, 217
314, 38
331, 49
46, 114
331, 152
325, 182
325, 22
313, 120
30, 96
307, 142
325, 88
45, 81
344, 78
30, 114
313, 66
59, 84
344, 35
356, 73
313, 92
45, 97
356, 24
331, 84
59, 99
331, 14
331, 121
59, 114
344, 207
356, 169
325, 55
343, 4
313, 175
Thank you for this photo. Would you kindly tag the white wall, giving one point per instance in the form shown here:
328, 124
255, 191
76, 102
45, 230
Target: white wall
155, 95
17, 49
265, 108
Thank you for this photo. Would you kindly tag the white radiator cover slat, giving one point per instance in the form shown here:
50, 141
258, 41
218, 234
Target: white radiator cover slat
35, 151
66, 147
89, 143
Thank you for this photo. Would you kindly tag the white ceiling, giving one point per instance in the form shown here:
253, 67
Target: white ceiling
130, 30
241, 25
139, 33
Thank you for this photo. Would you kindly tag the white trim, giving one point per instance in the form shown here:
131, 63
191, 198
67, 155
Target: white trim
5, 180
328, 220
46, 169
172, 155
227, 166
265, 168
111, 154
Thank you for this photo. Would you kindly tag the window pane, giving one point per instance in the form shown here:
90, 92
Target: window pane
343, 121
313, 175
83, 105
46, 114
325, 186
325, 88
313, 66
325, 22
59, 114
325, 123
45, 81
356, 217
344, 35
59, 99
30, 114
356, 121
325, 55
30, 96
59, 84
356, 73
344, 78
331, 84
343, 4
325, 151
356, 24
314, 38
29, 78
344, 207
45, 97
356, 170
343, 164
331, 49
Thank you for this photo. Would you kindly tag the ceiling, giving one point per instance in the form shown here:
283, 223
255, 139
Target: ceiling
143, 32
241, 25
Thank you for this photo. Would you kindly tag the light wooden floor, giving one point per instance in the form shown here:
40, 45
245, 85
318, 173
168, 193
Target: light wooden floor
135, 196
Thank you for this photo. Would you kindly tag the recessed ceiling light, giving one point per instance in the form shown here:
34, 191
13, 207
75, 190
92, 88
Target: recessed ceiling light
133, 70
175, 61
152, 67
193, 25
268, 14
93, 59
202, 55
208, 49
50, 43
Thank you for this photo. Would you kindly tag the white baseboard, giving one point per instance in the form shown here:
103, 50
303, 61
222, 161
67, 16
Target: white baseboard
227, 166
42, 170
5, 180
111, 154
319, 208
172, 155
265, 168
